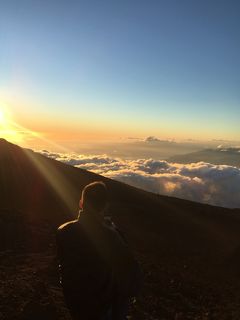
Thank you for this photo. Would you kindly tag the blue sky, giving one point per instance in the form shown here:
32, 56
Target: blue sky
164, 68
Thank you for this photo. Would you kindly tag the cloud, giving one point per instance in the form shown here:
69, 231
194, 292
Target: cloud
152, 139
201, 182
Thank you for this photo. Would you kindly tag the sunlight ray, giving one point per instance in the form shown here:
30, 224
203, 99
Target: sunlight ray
55, 178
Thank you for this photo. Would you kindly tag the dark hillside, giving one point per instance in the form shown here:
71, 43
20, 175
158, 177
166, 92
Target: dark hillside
189, 252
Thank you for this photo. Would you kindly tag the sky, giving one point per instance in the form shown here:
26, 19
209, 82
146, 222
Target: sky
82, 71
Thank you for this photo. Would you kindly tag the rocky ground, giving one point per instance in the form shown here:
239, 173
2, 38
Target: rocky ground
29, 289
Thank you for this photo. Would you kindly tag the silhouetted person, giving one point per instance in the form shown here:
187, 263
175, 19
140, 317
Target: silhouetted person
98, 272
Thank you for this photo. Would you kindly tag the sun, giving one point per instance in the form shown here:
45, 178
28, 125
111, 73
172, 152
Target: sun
2, 117
7, 129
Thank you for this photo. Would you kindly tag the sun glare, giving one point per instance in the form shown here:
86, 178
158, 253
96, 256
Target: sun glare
14, 132
2, 117
7, 129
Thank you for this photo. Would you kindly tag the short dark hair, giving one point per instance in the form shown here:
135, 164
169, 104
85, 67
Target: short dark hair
94, 196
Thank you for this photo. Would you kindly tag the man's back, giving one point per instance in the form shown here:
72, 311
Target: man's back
86, 274
99, 273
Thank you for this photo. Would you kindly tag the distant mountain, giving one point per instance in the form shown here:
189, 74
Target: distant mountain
189, 252
227, 156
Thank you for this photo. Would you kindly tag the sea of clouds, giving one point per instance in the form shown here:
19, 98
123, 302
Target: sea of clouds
202, 182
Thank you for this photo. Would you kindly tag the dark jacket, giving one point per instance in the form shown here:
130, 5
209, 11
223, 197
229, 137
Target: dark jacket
96, 266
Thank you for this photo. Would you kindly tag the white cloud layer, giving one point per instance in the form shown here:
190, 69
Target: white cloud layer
201, 182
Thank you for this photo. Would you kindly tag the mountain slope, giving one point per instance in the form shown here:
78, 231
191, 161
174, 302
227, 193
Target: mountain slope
185, 248
214, 156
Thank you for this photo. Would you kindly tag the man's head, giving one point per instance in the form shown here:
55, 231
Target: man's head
94, 197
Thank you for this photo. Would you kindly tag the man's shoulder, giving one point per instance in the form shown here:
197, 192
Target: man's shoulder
67, 226
69, 232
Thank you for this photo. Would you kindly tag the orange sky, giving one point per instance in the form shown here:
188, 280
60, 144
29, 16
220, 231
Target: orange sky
37, 128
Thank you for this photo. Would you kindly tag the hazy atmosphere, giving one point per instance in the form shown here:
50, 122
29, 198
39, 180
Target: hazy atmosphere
133, 82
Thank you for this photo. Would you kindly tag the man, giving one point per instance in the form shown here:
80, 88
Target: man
97, 269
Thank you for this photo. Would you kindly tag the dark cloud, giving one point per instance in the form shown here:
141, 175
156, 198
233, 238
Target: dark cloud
152, 139
234, 149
